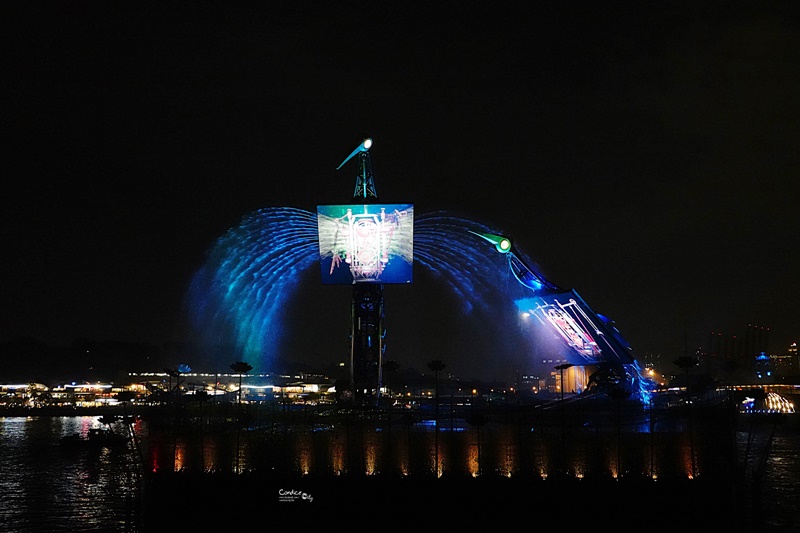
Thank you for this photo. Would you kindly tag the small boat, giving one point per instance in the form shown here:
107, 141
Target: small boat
100, 437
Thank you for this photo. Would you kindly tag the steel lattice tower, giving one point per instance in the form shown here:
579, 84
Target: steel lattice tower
367, 332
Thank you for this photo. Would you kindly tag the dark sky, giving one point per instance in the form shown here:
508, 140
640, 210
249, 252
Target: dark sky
644, 154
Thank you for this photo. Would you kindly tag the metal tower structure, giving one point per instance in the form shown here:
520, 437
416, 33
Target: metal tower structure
367, 332
365, 183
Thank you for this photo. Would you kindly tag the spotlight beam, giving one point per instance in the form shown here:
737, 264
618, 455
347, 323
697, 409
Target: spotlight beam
503, 244
363, 147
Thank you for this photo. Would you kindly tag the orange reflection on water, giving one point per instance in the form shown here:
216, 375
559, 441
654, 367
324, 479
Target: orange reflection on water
473, 460
508, 463
304, 459
337, 456
370, 454
686, 461
179, 459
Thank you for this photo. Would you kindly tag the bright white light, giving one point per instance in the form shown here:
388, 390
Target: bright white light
363, 147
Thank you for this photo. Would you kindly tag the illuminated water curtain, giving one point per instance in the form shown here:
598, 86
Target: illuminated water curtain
236, 298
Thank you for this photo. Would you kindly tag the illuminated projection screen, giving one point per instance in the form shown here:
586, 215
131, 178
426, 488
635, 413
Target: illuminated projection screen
366, 243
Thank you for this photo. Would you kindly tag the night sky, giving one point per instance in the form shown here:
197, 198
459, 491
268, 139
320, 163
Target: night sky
645, 156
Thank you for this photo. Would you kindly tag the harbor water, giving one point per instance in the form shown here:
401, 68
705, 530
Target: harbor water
165, 477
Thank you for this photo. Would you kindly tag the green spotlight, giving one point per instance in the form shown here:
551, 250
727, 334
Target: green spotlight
503, 244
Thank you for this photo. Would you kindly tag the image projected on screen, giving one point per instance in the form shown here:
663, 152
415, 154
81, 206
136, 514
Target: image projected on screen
368, 243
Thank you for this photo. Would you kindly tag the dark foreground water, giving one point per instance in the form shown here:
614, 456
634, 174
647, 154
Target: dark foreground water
322, 476
45, 487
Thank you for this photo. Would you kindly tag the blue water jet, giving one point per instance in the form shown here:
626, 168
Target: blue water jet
236, 299
237, 302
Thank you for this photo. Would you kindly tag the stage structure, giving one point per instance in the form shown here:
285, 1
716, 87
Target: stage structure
366, 244
593, 342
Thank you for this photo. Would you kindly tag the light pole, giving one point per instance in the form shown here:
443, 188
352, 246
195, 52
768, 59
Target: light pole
561, 368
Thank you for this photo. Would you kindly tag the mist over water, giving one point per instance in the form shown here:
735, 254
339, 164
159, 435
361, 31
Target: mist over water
259, 294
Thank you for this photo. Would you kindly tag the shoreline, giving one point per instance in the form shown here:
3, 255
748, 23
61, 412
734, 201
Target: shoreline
25, 412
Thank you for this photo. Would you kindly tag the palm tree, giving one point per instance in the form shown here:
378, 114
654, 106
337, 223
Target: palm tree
241, 368
436, 366
32, 392
172, 373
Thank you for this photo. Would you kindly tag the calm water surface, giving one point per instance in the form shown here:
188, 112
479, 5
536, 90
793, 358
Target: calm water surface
47, 487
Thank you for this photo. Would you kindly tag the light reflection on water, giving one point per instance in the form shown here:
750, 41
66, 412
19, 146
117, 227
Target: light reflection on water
44, 487
353, 447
